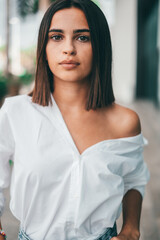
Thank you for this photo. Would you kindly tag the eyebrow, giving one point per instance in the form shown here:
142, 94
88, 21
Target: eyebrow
74, 31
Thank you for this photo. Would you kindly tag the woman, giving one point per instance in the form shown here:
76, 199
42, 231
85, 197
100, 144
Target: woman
77, 154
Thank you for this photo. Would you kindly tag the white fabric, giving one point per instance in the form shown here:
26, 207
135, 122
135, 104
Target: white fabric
56, 192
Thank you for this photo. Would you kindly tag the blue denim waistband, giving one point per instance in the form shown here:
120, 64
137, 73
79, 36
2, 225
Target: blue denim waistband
107, 235
22, 235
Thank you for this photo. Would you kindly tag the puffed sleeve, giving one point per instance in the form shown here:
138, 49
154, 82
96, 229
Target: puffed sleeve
136, 173
6, 153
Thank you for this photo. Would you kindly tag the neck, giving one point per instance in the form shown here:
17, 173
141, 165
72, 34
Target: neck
71, 96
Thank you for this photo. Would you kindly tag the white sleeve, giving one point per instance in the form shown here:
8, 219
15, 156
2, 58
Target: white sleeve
138, 176
6, 153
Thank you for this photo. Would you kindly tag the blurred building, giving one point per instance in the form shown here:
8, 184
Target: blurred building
135, 39
136, 48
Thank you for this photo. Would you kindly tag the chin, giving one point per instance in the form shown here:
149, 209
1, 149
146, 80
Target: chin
70, 78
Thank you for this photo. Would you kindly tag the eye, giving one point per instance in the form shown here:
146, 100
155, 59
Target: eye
56, 37
83, 38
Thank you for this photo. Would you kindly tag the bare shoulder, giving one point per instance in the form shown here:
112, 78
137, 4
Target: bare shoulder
125, 121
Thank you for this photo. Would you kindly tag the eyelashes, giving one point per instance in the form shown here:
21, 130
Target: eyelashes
81, 38
56, 37
84, 38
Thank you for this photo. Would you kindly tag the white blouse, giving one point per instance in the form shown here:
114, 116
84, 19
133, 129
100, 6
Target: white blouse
56, 192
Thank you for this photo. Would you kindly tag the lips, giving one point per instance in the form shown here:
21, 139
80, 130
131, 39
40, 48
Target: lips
69, 64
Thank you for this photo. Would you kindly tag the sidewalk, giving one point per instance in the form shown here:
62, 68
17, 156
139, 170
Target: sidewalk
150, 220
150, 119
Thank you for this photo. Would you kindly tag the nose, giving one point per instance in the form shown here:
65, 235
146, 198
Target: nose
69, 48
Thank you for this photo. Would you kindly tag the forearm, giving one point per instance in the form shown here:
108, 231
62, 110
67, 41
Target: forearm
132, 203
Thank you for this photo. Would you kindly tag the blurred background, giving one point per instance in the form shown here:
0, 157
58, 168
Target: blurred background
135, 32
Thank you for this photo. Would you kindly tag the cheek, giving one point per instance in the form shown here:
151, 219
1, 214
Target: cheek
88, 57
51, 54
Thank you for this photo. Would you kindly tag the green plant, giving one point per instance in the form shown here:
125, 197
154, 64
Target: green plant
26, 78
10, 162
96, 2
26, 7
3, 85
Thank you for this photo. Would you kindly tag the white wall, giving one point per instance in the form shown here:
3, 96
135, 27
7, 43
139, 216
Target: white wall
124, 41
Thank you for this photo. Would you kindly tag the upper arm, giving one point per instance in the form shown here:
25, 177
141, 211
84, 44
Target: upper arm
132, 123
127, 122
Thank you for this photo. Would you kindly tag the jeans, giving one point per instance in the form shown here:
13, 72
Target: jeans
109, 233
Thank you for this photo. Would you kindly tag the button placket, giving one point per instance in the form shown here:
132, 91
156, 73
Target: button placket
74, 188
75, 177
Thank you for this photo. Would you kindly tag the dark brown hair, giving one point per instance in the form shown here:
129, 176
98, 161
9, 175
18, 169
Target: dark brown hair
101, 92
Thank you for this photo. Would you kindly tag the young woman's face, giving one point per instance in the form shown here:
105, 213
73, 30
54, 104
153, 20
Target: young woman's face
69, 49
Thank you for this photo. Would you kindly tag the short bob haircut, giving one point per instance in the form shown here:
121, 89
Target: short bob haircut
100, 92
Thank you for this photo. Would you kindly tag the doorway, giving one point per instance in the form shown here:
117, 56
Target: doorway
147, 62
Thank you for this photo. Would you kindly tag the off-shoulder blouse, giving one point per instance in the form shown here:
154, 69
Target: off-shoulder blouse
56, 192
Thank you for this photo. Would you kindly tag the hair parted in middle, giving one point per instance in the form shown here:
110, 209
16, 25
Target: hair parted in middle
100, 92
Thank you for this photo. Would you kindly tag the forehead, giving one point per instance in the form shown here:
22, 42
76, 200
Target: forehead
69, 17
